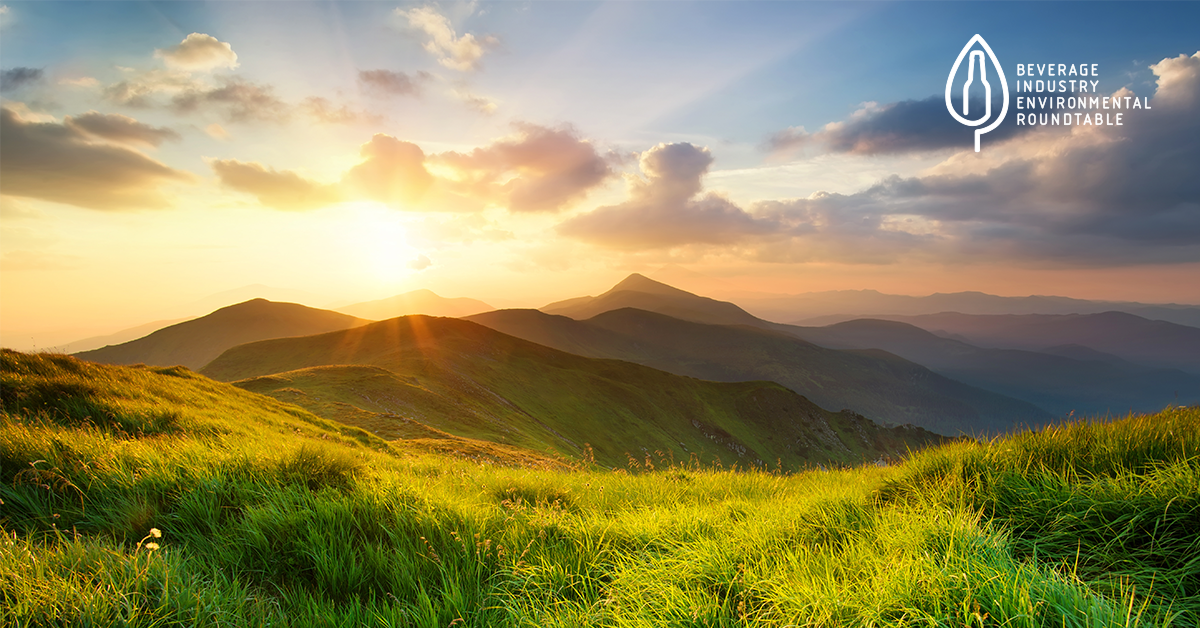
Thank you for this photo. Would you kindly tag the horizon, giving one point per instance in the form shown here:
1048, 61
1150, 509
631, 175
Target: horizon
525, 154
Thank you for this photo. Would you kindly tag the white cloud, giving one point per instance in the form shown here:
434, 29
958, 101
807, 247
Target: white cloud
457, 53
199, 52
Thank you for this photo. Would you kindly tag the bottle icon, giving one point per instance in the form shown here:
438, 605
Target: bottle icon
976, 65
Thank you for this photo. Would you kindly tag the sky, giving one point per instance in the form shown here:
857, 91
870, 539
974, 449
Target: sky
153, 154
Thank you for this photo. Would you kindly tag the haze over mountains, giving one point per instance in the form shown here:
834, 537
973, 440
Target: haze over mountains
1125, 336
824, 308
1076, 380
415, 302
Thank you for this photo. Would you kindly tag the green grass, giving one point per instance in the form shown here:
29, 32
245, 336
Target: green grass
272, 516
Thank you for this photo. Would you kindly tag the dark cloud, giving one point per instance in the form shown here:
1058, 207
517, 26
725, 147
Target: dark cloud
901, 127
388, 83
273, 188
538, 170
238, 100
1082, 196
17, 78
55, 162
118, 128
666, 209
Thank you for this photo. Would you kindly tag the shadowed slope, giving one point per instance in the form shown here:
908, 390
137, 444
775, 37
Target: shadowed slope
876, 384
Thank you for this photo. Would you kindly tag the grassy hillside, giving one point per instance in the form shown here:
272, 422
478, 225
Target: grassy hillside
156, 497
196, 342
877, 385
471, 381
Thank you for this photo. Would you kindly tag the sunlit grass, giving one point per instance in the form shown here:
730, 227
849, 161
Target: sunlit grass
271, 516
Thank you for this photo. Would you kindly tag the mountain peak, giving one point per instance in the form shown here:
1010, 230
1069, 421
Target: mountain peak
637, 282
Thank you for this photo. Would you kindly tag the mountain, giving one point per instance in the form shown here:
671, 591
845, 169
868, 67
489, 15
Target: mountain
1059, 383
125, 335
643, 293
835, 306
226, 298
415, 302
1133, 338
876, 384
196, 342
471, 381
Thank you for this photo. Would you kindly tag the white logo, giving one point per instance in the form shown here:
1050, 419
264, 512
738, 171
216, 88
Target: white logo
977, 61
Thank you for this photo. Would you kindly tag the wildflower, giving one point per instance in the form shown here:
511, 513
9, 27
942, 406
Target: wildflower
156, 533
152, 546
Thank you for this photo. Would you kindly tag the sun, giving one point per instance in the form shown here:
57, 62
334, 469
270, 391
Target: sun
375, 240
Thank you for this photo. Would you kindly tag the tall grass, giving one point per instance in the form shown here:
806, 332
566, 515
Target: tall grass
270, 516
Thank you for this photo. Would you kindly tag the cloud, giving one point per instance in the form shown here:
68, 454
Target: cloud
1080, 196
83, 81
323, 110
900, 127
274, 188
139, 89
16, 78
392, 171
388, 83
236, 99
56, 162
454, 52
199, 52
666, 209
537, 170
118, 128
421, 263
217, 132
481, 104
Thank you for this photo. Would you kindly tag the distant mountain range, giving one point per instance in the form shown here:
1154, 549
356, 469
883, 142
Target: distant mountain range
879, 385
465, 379
485, 378
1148, 342
824, 308
1075, 378
196, 342
415, 302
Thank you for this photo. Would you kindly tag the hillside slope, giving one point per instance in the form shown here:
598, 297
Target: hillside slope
196, 342
471, 381
878, 385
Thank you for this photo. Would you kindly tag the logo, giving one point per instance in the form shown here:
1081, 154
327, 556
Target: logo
977, 64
